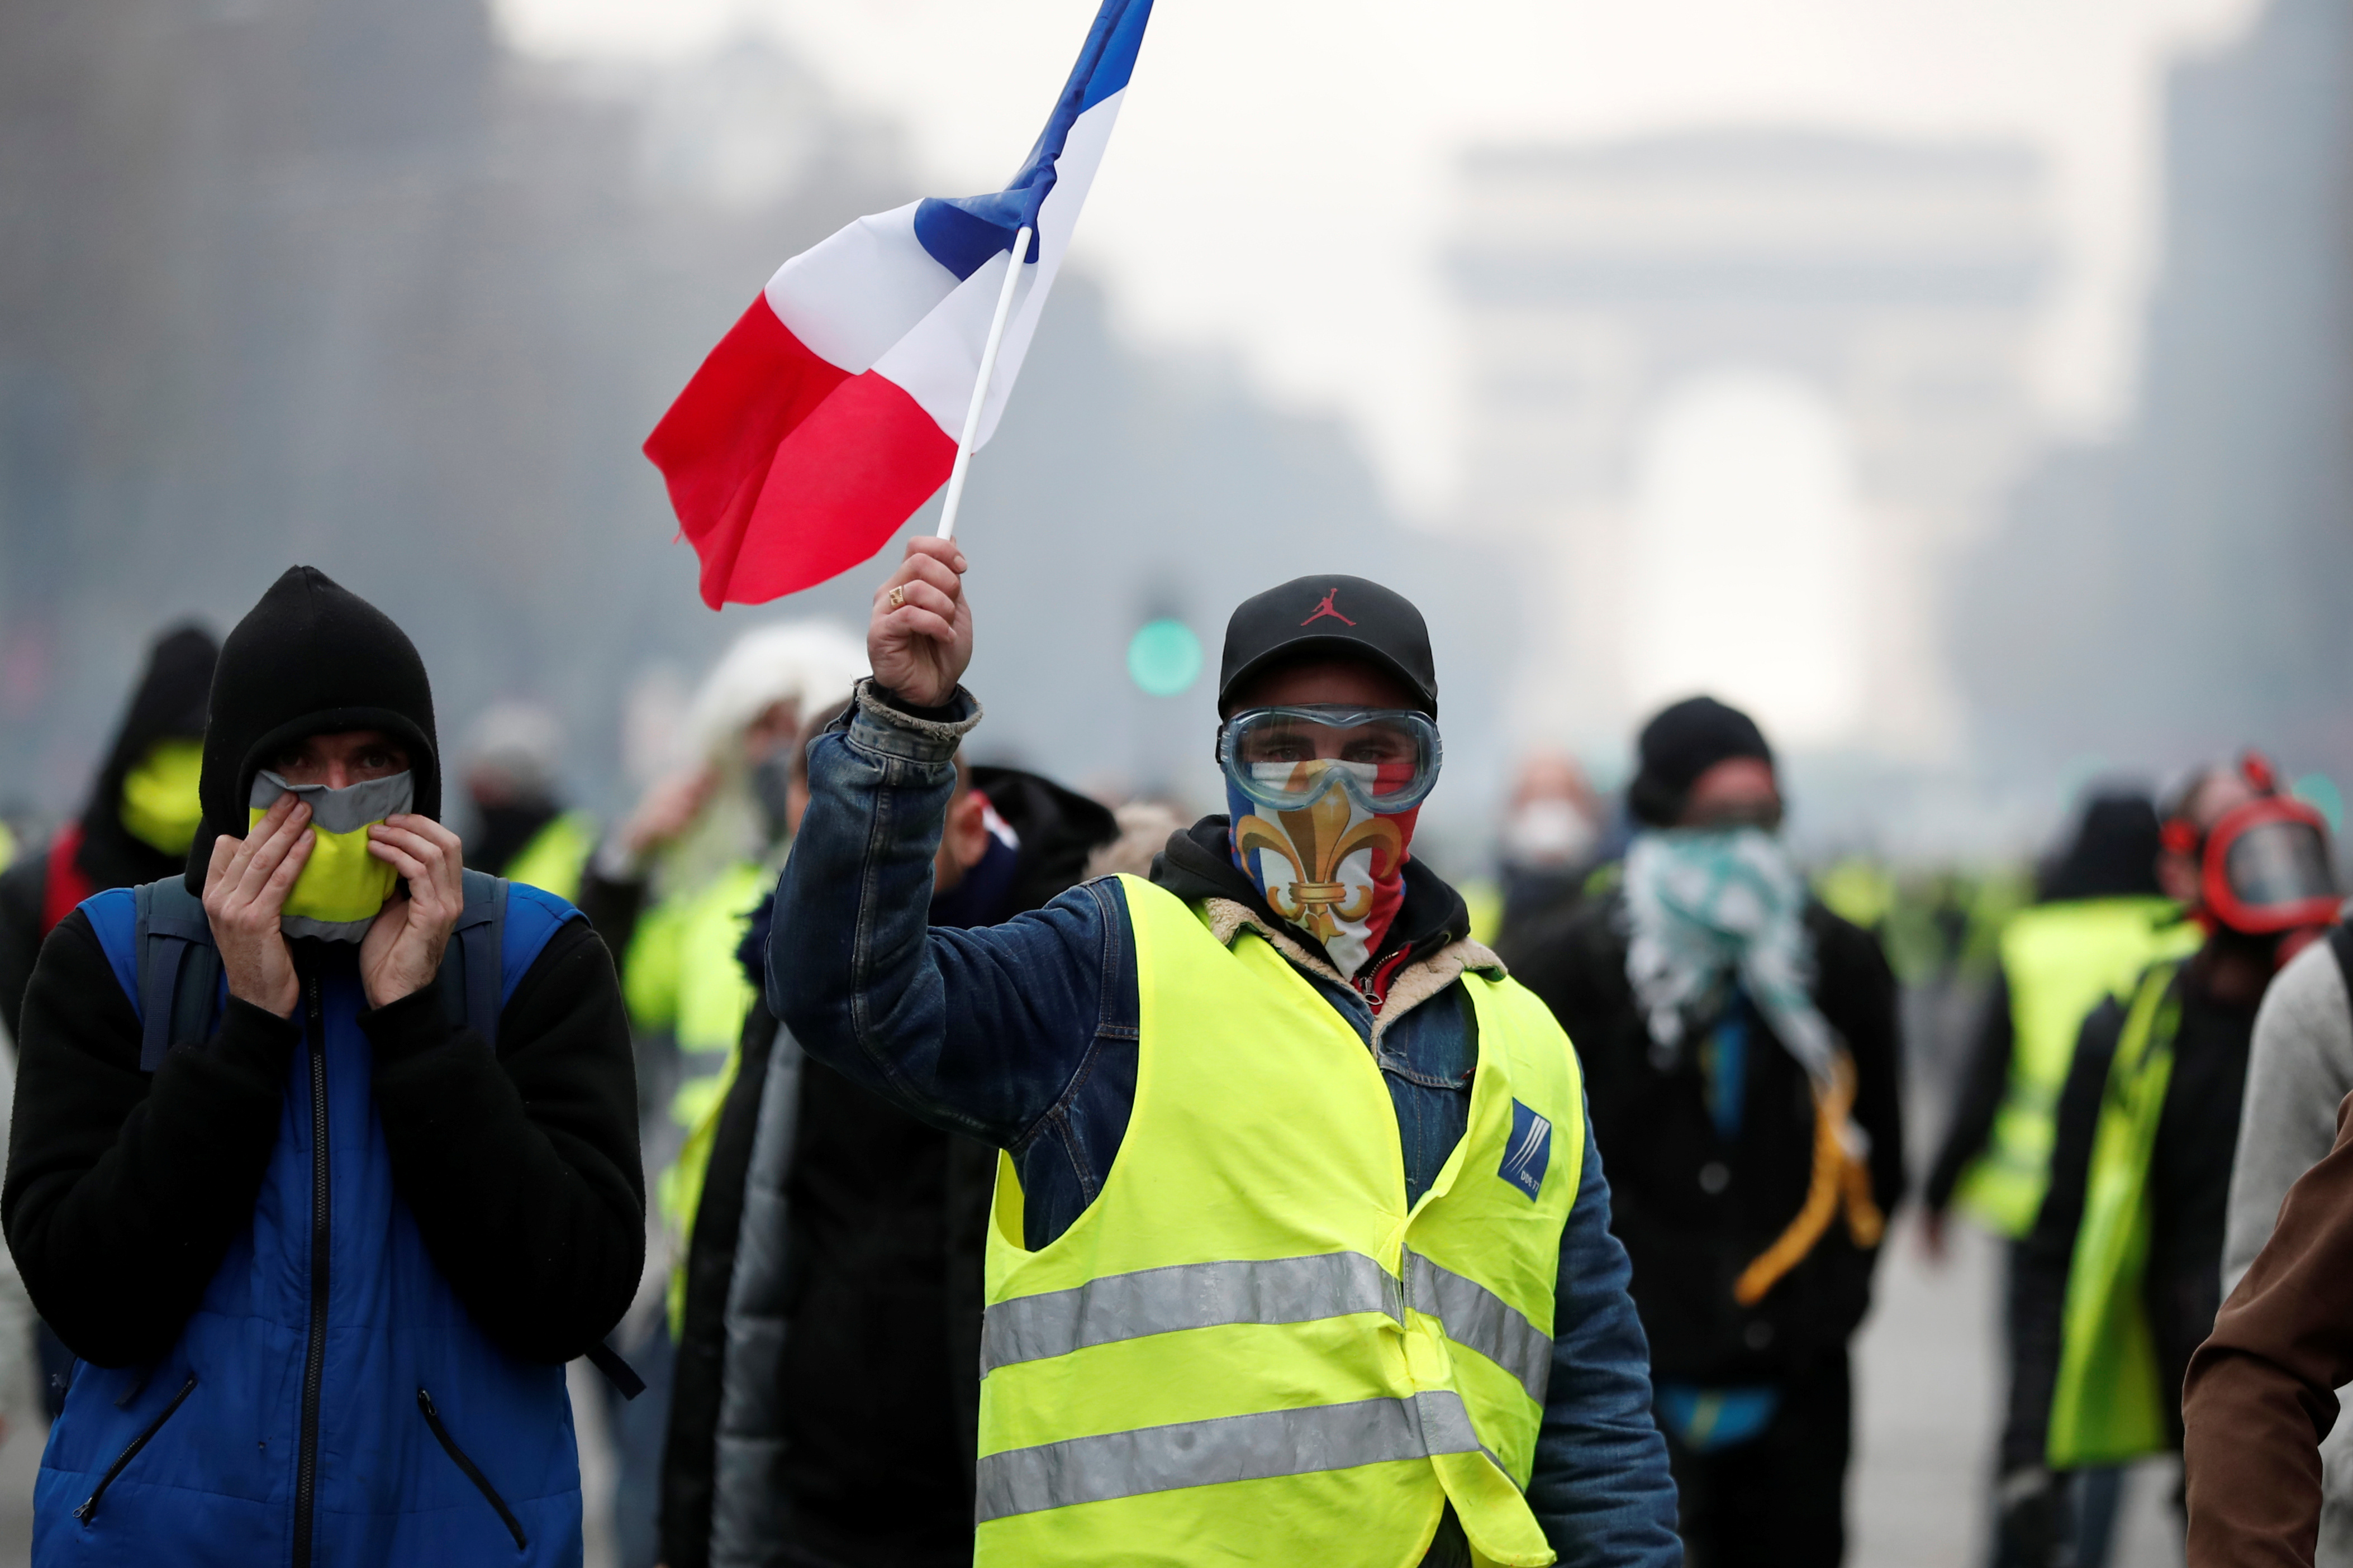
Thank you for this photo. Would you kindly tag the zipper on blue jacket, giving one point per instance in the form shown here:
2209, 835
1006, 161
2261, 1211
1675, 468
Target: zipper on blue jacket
314, 1360
473, 1472
88, 1510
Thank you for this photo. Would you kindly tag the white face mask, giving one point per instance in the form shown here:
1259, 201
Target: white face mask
1548, 832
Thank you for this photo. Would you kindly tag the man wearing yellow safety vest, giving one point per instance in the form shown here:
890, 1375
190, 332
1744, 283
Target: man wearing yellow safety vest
521, 831
1742, 1048
2099, 920
2119, 1279
672, 892
1300, 1249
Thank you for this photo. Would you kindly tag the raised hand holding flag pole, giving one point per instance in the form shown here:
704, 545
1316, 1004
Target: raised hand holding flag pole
875, 364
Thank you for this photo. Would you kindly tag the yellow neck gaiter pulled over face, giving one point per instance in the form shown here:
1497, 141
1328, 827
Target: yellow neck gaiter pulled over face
342, 887
159, 805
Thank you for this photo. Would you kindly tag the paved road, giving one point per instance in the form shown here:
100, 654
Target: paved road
1929, 1390
1928, 1382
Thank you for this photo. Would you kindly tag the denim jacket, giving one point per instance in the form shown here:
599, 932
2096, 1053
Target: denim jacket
1024, 1035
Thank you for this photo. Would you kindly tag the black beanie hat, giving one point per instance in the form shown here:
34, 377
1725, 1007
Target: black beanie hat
311, 659
1681, 743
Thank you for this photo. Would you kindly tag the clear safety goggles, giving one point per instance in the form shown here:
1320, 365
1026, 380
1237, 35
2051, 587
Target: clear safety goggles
2266, 867
1386, 759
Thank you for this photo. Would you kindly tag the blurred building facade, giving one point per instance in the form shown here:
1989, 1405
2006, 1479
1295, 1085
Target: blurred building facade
346, 282
2181, 590
1895, 283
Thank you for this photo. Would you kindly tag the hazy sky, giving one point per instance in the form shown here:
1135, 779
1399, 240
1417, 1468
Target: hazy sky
1278, 188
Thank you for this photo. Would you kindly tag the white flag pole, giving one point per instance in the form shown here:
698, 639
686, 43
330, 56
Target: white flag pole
980, 387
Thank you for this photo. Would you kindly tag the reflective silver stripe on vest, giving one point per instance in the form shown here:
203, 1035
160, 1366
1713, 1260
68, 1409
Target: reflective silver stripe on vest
1185, 1296
1228, 1449
1476, 1317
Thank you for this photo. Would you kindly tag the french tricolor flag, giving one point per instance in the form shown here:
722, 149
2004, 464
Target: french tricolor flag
832, 409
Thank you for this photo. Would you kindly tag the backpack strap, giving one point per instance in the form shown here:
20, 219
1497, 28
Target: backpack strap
618, 1373
471, 970
179, 970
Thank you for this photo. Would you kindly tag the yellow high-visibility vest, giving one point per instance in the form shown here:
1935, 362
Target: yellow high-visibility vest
2110, 1402
556, 856
682, 977
2061, 959
1250, 1347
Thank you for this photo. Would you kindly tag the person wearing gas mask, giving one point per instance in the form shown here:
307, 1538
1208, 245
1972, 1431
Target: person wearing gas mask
1300, 1250
325, 1155
138, 820
1741, 1047
2121, 1276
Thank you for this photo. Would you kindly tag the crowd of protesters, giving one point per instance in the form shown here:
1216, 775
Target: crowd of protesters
937, 1165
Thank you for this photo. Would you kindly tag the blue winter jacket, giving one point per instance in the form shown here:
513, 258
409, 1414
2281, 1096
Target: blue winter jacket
431, 1446
1024, 1035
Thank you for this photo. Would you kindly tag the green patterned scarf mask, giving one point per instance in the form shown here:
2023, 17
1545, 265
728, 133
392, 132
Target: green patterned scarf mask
342, 887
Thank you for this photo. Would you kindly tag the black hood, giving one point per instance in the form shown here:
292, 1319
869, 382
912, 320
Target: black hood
167, 704
2113, 854
1059, 829
1198, 863
311, 659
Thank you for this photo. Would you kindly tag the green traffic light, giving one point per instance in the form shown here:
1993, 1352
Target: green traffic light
1164, 657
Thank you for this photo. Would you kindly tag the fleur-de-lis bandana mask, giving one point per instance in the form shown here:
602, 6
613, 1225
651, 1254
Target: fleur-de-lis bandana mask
1332, 868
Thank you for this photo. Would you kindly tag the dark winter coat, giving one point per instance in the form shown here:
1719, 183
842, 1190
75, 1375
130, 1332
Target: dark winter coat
310, 1259
826, 1395
1692, 1210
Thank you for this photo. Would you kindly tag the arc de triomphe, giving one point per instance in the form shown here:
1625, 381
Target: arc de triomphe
1897, 282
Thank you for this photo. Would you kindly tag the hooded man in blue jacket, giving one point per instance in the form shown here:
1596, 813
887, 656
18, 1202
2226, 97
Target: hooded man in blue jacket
325, 1154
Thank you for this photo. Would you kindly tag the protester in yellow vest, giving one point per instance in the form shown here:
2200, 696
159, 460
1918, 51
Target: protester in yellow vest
1300, 1249
2119, 1279
521, 831
2100, 918
2098, 921
672, 890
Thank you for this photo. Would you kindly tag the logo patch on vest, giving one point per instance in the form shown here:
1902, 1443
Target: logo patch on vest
1530, 1152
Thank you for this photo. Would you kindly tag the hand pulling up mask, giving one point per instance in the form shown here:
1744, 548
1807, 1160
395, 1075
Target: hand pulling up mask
1323, 800
342, 887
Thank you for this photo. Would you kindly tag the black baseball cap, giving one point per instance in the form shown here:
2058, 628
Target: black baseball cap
1330, 617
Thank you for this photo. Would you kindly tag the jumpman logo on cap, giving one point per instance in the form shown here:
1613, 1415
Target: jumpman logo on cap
1326, 608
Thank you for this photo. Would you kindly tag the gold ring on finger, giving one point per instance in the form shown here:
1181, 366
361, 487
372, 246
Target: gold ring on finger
898, 598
